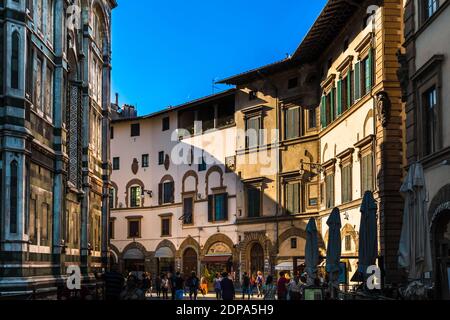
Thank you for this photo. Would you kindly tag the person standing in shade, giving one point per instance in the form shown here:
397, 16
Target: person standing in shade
227, 286
282, 287
269, 289
172, 285
165, 287
158, 286
193, 284
295, 288
179, 287
217, 287
245, 286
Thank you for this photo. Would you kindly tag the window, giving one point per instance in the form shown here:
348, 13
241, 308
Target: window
218, 207
112, 198
134, 228
346, 181
165, 227
39, 14
294, 243
15, 60
161, 158
135, 196
312, 118
49, 22
145, 161
327, 108
253, 202
135, 130
329, 192
49, 93
111, 131
111, 229
253, 126
367, 178
293, 83
166, 192
188, 211
293, 198
166, 124
14, 192
292, 123
116, 163
348, 243
37, 95
430, 111
429, 8
202, 165
366, 74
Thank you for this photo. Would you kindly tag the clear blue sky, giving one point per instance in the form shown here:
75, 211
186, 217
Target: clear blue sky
168, 52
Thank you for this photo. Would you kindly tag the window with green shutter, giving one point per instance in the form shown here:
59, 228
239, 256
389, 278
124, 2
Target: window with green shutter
340, 97
346, 183
253, 202
357, 75
293, 198
323, 112
292, 123
329, 192
332, 105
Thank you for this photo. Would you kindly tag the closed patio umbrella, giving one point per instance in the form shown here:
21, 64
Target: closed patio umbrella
368, 234
311, 251
415, 249
334, 248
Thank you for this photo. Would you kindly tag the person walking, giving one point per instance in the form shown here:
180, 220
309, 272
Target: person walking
245, 286
194, 284
218, 287
165, 287
282, 286
269, 289
259, 283
227, 286
158, 286
172, 285
146, 284
295, 288
179, 286
114, 283
204, 286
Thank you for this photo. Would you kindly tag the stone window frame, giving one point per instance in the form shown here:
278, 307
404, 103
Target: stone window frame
250, 113
189, 195
130, 184
257, 183
365, 148
166, 217
427, 77
328, 86
346, 70
134, 219
290, 106
345, 160
293, 178
329, 169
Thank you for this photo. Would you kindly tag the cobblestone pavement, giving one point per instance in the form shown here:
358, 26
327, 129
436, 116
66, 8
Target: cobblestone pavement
209, 296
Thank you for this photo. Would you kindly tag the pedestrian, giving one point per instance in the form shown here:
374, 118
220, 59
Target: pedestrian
282, 286
158, 285
172, 285
193, 284
165, 287
259, 283
146, 286
295, 288
269, 289
131, 291
179, 286
114, 283
217, 286
227, 286
245, 286
204, 286
252, 285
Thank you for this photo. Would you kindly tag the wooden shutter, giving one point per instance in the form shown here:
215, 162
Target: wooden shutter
349, 89
370, 65
160, 193
339, 97
333, 104
357, 80
172, 192
210, 208
323, 112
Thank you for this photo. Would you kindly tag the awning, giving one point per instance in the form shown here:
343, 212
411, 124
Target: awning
164, 252
216, 259
133, 254
285, 266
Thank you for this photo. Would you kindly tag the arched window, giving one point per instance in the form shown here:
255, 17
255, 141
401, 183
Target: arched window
15, 60
13, 197
135, 196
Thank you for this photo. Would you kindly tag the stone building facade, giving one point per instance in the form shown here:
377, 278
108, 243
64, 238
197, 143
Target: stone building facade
425, 82
55, 60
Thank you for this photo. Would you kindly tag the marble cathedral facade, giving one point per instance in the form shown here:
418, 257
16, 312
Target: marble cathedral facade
54, 140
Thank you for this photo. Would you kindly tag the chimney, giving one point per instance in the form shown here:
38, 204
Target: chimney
117, 99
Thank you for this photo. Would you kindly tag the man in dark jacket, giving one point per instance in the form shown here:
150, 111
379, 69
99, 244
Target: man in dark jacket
227, 287
193, 284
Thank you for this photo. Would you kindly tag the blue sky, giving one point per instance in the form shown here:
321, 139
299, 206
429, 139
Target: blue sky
168, 52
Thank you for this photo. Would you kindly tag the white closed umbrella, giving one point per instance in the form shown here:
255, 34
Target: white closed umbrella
415, 248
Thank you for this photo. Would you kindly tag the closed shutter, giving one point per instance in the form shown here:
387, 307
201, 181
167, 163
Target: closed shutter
349, 89
370, 76
210, 208
160, 193
339, 97
333, 105
172, 192
296, 198
323, 111
358, 80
